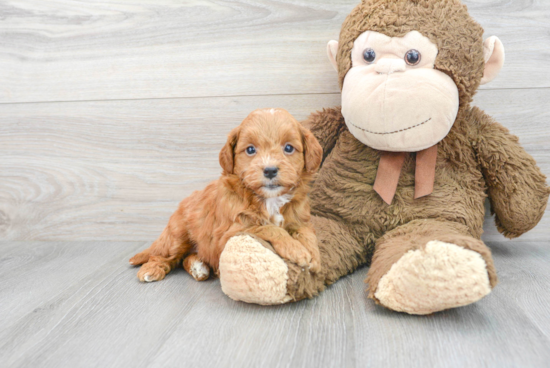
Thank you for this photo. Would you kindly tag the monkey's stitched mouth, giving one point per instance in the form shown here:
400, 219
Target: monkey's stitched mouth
396, 131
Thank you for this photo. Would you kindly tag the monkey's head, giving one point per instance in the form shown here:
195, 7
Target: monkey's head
407, 66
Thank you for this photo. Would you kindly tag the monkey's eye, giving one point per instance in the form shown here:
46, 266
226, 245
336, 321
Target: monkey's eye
251, 150
289, 149
369, 55
412, 57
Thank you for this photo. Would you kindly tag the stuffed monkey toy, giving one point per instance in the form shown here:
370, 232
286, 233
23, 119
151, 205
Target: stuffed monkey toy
407, 165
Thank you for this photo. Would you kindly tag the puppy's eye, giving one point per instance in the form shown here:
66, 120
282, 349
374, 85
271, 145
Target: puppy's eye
369, 55
250, 150
289, 149
412, 57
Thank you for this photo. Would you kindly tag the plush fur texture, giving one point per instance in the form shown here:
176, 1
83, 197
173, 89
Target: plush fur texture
445, 22
275, 209
391, 105
253, 267
439, 276
479, 158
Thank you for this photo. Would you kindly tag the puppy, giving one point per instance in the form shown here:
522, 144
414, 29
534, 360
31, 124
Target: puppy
267, 163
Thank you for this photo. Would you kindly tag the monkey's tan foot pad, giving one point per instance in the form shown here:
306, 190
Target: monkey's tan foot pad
251, 273
441, 276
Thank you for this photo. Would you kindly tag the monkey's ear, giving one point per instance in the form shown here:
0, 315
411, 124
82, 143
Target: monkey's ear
493, 52
332, 50
313, 152
228, 151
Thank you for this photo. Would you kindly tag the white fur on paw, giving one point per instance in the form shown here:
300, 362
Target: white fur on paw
148, 278
199, 271
441, 276
251, 273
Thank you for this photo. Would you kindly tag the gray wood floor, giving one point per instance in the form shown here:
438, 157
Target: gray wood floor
113, 111
79, 304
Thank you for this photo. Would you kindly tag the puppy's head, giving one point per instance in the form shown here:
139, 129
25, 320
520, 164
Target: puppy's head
271, 153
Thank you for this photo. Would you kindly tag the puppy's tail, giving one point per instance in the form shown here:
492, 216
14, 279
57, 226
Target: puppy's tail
140, 258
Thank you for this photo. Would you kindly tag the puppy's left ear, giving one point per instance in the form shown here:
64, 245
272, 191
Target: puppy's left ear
227, 159
313, 152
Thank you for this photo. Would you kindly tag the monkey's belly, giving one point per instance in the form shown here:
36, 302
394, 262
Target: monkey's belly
344, 192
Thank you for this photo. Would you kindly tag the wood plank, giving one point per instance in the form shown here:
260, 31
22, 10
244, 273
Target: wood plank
107, 318
516, 278
32, 273
113, 170
68, 50
98, 304
117, 170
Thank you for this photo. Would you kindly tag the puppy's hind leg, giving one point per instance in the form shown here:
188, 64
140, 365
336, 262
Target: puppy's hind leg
140, 258
163, 255
196, 267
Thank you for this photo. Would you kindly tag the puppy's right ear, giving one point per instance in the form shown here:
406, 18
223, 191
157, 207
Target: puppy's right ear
228, 151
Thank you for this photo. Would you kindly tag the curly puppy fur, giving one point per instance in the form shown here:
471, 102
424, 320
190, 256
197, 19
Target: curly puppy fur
248, 198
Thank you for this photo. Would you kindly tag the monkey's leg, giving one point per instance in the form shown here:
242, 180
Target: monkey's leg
427, 266
252, 272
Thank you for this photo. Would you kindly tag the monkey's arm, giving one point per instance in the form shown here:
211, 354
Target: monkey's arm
326, 125
517, 188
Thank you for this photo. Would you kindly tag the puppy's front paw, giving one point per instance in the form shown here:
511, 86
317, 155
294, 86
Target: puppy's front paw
315, 263
296, 253
150, 272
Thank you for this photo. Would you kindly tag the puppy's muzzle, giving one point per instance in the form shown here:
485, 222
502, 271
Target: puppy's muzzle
270, 172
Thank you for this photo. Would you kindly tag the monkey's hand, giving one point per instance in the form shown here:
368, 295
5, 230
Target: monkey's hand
517, 188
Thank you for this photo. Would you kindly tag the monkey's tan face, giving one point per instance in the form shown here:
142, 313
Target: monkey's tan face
392, 97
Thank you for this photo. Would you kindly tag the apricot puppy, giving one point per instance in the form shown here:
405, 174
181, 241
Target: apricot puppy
267, 163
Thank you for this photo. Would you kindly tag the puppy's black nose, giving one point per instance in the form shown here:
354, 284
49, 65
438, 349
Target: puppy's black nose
270, 172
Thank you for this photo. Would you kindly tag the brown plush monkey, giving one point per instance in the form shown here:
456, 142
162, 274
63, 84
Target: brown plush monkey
408, 163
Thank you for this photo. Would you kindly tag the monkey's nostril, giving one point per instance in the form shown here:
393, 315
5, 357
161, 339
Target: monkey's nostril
270, 172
